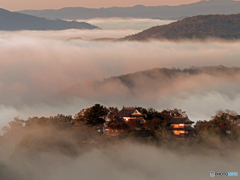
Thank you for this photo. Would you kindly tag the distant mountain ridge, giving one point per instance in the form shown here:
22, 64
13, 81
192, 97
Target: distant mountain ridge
197, 27
12, 21
140, 11
149, 83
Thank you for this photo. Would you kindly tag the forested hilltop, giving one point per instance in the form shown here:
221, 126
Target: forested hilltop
151, 83
167, 74
28, 146
13, 21
39, 134
31, 146
196, 27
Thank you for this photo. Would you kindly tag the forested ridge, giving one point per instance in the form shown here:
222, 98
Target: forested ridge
144, 82
49, 139
87, 123
37, 141
196, 27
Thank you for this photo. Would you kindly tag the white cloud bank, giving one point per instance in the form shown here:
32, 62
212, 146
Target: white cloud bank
127, 23
36, 66
125, 161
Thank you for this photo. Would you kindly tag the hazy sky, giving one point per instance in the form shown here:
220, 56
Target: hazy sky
14, 5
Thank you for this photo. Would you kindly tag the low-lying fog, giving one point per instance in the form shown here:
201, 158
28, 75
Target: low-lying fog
44, 73
36, 68
127, 23
124, 161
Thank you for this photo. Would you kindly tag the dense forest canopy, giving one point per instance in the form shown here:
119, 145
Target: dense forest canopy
154, 82
33, 146
224, 123
196, 27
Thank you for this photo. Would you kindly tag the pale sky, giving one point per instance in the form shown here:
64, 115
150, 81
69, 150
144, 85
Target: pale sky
15, 5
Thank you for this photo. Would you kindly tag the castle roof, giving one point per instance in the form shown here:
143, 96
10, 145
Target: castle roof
128, 112
180, 120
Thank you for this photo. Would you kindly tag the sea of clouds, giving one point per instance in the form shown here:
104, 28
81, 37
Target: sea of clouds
127, 23
36, 68
128, 161
41, 73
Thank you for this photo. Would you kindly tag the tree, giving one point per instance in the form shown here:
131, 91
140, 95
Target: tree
112, 111
79, 117
152, 113
223, 123
14, 126
133, 123
92, 116
59, 121
169, 114
158, 128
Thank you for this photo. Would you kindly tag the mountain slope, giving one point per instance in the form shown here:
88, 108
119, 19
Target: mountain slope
151, 84
199, 27
139, 11
11, 21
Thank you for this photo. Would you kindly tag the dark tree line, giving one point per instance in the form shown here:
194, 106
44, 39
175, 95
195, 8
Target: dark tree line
224, 123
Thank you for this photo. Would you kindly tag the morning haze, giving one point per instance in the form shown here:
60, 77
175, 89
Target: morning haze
57, 4
26, 91
82, 103
140, 11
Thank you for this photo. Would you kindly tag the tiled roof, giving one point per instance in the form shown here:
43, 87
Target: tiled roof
180, 120
127, 112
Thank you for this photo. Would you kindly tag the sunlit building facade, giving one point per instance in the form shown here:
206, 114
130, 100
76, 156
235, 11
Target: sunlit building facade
181, 127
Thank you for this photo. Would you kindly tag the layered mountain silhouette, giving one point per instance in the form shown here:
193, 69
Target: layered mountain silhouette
148, 83
140, 11
197, 27
12, 21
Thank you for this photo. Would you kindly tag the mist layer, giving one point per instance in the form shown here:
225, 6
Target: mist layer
38, 68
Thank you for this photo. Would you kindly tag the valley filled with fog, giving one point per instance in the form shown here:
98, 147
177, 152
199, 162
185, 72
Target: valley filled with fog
58, 73
39, 67
127, 23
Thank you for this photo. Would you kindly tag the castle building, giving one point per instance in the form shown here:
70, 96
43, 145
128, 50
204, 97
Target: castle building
128, 117
129, 114
181, 127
